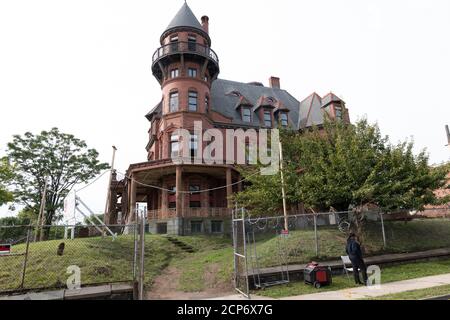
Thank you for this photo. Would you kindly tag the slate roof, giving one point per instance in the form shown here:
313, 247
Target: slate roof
225, 100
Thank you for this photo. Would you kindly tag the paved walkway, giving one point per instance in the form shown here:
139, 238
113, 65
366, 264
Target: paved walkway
363, 292
384, 289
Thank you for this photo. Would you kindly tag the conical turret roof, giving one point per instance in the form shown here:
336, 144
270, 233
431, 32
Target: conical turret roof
185, 18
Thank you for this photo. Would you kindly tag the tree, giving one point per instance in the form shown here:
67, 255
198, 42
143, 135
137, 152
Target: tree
6, 174
346, 166
61, 158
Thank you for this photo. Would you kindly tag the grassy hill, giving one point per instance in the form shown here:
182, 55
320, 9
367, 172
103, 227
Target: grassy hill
211, 265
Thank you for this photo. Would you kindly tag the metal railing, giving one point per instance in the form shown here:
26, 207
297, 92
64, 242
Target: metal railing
185, 47
189, 213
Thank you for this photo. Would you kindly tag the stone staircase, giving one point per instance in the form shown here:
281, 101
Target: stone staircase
180, 244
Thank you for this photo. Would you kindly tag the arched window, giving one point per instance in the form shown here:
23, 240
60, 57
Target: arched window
192, 100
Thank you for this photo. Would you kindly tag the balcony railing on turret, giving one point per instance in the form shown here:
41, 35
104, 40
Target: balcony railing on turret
185, 47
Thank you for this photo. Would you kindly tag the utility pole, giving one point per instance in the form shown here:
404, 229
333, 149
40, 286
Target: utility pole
108, 194
41, 212
283, 192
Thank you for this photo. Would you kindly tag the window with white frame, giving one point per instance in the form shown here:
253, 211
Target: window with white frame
173, 102
174, 146
284, 119
268, 118
174, 73
246, 114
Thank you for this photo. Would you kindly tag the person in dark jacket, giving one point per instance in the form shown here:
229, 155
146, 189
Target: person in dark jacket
354, 252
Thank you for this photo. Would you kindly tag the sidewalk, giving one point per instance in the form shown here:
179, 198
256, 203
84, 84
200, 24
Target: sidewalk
371, 292
361, 292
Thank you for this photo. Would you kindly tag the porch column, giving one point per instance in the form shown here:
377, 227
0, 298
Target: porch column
132, 211
178, 186
229, 188
239, 186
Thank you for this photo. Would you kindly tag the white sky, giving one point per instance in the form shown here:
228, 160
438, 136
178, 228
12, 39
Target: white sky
84, 66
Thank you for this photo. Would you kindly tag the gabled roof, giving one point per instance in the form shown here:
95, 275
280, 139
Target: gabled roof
329, 98
185, 18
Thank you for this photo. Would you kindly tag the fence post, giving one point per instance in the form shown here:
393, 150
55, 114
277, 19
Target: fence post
142, 258
382, 230
25, 261
316, 237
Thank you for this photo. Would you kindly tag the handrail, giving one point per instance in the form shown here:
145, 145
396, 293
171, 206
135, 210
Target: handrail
185, 47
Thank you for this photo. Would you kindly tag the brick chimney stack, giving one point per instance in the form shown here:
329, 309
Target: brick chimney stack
205, 24
274, 82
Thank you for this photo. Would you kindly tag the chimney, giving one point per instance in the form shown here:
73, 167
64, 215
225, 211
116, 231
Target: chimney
205, 24
274, 82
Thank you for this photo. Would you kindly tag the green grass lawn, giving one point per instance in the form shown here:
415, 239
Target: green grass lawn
388, 274
417, 294
413, 236
100, 260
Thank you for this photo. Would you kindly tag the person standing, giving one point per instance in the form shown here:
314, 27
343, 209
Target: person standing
354, 252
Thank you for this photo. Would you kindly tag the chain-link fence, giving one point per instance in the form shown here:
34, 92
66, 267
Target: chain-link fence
60, 256
323, 237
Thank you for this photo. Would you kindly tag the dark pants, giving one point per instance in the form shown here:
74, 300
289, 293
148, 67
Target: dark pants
359, 265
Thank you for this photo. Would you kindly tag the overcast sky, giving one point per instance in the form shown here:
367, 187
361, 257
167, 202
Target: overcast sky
84, 66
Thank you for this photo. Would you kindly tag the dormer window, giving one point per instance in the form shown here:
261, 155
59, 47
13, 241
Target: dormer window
338, 112
234, 94
268, 118
284, 119
271, 100
246, 114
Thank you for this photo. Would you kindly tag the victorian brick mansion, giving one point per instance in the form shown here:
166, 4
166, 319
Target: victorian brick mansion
187, 69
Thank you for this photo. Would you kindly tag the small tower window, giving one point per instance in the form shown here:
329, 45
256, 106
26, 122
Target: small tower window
192, 101
267, 118
192, 41
246, 114
192, 72
173, 102
206, 104
174, 43
284, 119
174, 73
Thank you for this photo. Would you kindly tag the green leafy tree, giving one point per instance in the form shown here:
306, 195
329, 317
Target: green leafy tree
6, 174
345, 166
61, 158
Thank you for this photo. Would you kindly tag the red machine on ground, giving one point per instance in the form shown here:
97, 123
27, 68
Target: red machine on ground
316, 275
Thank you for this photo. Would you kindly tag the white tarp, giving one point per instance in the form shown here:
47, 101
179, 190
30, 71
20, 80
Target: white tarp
69, 207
